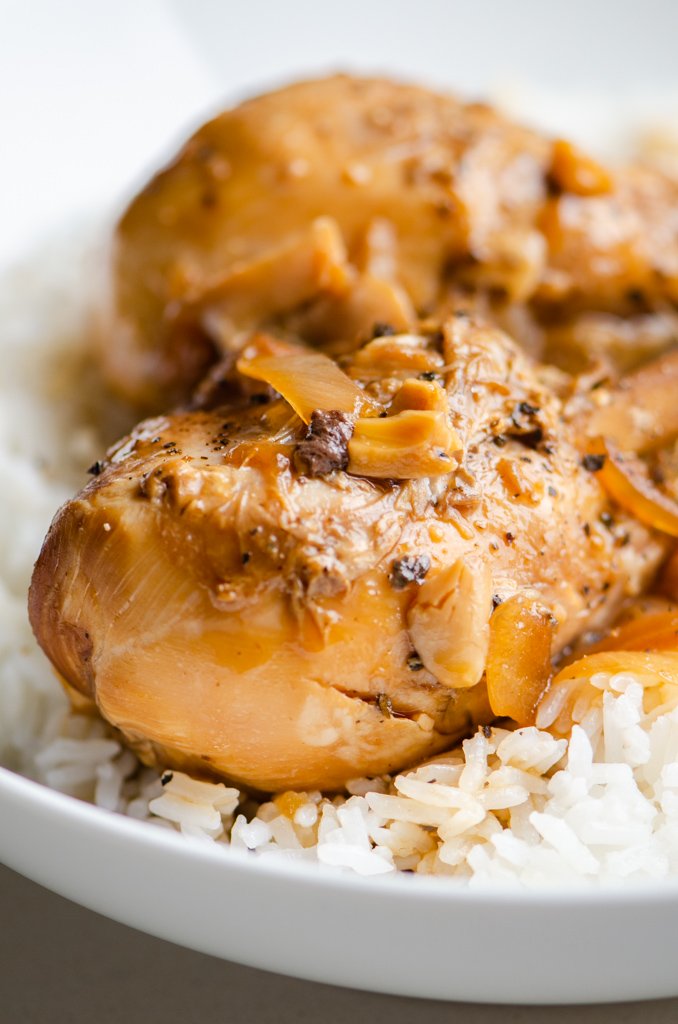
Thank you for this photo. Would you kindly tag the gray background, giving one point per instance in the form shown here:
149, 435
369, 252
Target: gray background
60, 963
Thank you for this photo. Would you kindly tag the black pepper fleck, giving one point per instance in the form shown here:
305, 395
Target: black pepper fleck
593, 463
383, 330
525, 426
411, 569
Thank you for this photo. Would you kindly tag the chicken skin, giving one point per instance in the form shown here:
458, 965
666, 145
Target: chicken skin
330, 205
299, 588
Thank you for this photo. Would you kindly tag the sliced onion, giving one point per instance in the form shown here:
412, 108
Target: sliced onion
641, 413
308, 380
519, 660
659, 666
651, 632
626, 479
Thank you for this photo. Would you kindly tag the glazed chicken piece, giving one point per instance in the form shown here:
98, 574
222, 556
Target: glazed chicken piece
341, 578
331, 205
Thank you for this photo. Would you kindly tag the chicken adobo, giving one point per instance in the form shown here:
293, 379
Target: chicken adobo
421, 450
332, 205
293, 591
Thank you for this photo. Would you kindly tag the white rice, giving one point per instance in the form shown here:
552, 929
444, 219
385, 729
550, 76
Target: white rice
557, 803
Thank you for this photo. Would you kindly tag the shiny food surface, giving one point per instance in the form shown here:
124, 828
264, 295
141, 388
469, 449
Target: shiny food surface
333, 204
233, 615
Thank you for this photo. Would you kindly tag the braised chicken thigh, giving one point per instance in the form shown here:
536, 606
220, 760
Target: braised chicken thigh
330, 205
340, 571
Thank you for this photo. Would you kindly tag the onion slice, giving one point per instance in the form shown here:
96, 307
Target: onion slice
656, 666
308, 380
657, 631
641, 412
626, 479
519, 659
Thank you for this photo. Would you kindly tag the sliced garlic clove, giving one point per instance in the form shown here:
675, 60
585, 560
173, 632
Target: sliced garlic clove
449, 623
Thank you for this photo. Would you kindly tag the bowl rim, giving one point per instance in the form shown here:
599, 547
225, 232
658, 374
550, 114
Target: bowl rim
69, 810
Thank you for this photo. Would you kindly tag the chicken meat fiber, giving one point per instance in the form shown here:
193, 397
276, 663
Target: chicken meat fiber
328, 575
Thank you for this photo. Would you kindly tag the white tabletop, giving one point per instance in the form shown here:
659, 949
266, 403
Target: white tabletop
60, 963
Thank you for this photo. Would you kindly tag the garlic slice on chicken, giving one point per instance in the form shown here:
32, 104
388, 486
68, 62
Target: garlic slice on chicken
449, 623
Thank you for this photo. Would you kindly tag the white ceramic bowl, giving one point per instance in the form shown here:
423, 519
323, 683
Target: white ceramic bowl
402, 935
